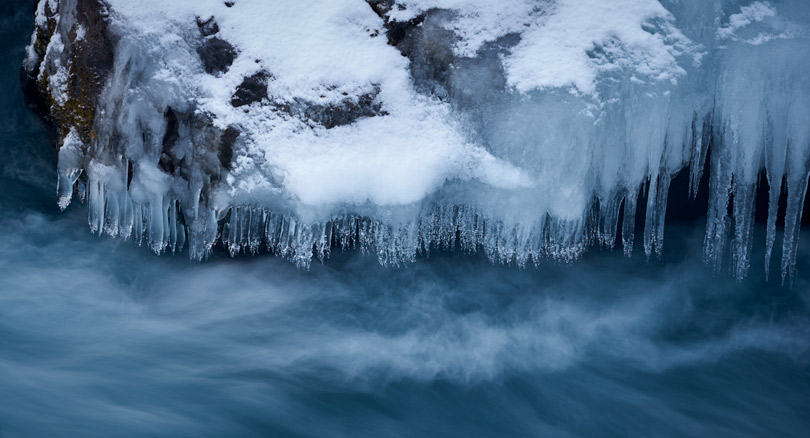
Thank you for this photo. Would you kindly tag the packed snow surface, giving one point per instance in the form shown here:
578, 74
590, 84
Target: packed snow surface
317, 53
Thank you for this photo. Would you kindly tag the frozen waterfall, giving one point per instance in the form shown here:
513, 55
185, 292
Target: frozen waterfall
527, 129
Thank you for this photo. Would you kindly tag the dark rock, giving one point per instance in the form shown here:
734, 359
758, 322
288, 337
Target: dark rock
330, 116
381, 7
172, 130
229, 4
91, 62
210, 152
167, 161
348, 111
426, 42
130, 171
35, 96
217, 55
226, 144
207, 27
252, 89
399, 30
90, 59
429, 46
396, 30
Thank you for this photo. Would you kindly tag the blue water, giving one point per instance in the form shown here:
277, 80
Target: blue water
101, 338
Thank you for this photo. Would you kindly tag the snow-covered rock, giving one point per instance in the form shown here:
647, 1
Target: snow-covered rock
521, 127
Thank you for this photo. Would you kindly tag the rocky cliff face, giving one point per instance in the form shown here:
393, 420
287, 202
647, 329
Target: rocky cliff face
529, 129
69, 62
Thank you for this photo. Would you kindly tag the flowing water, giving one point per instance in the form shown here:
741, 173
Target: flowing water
101, 338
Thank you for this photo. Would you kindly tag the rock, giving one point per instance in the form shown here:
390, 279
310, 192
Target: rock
226, 145
330, 116
81, 68
424, 41
381, 7
217, 55
207, 27
396, 30
167, 160
252, 89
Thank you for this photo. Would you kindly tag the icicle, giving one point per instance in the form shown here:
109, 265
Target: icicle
656, 212
796, 193
629, 222
699, 146
717, 221
609, 221
744, 202
548, 178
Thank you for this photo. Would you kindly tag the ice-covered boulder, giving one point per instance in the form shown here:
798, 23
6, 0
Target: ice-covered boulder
524, 128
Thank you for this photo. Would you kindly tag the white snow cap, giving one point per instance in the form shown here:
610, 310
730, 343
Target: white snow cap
559, 37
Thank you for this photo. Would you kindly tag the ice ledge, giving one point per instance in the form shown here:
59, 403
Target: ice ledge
271, 124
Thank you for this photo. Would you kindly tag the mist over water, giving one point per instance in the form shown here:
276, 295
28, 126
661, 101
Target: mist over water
99, 337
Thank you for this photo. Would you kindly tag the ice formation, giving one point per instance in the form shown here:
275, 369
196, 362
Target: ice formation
523, 128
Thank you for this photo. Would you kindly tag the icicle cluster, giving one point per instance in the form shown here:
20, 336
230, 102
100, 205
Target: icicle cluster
474, 142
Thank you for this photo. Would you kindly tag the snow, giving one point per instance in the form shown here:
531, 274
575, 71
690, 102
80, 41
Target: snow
557, 37
753, 13
479, 21
40, 17
376, 160
555, 51
57, 79
318, 56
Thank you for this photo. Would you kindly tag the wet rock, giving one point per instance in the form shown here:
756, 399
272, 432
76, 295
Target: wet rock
217, 55
252, 89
